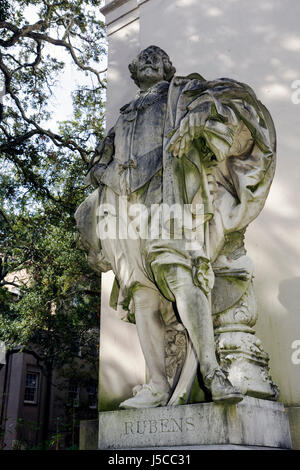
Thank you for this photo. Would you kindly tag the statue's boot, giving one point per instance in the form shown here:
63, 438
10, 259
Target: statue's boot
221, 388
146, 397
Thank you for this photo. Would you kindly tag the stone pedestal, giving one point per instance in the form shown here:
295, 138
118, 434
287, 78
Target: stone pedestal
252, 422
240, 351
294, 419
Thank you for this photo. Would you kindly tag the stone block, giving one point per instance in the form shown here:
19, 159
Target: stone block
294, 419
252, 422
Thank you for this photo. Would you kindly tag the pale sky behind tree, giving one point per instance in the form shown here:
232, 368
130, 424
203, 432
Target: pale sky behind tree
68, 80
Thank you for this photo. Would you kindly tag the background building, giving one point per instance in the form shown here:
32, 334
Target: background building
31, 417
38, 411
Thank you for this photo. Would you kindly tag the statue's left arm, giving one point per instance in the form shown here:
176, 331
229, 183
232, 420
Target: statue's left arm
102, 157
233, 131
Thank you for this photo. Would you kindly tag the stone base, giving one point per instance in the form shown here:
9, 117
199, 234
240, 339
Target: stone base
294, 419
252, 422
209, 447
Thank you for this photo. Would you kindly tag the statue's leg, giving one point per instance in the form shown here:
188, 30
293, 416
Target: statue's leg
194, 311
151, 331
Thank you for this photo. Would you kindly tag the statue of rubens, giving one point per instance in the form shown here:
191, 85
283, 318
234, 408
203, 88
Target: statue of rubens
206, 150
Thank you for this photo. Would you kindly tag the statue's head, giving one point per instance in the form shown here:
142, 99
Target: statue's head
151, 66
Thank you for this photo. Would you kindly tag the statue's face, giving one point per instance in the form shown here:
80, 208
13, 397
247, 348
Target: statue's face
150, 69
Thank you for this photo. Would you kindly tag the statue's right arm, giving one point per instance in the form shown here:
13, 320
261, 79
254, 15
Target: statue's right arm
102, 157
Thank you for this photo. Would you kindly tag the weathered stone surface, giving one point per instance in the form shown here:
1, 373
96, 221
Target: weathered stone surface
252, 422
239, 350
294, 419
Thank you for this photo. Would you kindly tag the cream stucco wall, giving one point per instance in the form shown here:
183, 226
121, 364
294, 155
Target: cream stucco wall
256, 42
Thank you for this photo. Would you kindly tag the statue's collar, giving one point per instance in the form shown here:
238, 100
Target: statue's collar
160, 88
146, 98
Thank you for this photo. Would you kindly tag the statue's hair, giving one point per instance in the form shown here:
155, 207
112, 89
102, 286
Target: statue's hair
169, 70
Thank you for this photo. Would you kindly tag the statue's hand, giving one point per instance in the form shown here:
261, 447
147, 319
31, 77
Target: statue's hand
190, 128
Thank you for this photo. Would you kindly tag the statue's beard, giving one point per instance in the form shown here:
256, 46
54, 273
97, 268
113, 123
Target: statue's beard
150, 74
148, 66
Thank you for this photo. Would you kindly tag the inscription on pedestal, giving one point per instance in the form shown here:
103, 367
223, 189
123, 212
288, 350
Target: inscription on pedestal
163, 425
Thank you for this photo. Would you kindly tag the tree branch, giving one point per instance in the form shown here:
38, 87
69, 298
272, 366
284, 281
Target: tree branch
19, 32
70, 48
30, 32
16, 141
5, 218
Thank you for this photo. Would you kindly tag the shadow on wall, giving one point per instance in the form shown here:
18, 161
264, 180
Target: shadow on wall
256, 42
122, 364
124, 45
231, 37
289, 295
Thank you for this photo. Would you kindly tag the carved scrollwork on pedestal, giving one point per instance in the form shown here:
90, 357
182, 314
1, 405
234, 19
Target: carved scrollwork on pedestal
242, 315
240, 352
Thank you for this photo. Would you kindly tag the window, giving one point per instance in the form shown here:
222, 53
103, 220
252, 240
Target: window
31, 387
92, 395
73, 394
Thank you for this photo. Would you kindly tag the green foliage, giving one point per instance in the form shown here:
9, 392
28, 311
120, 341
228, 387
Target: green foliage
54, 305
4, 10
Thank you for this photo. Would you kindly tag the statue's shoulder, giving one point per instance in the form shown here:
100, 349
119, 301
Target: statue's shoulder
182, 81
195, 80
229, 83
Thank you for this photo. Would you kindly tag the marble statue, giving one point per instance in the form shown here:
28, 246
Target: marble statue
186, 168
